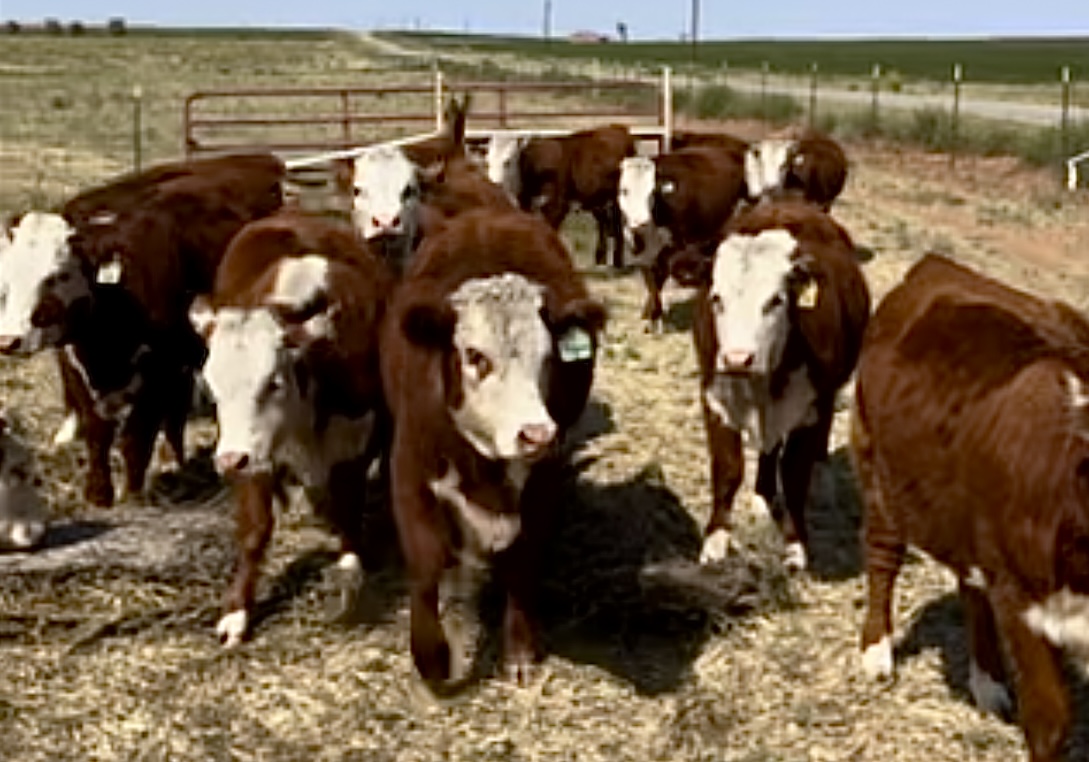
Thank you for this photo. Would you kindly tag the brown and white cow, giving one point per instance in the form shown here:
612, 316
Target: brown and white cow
813, 166
487, 359
292, 332
452, 188
676, 201
109, 280
970, 436
780, 316
24, 517
556, 174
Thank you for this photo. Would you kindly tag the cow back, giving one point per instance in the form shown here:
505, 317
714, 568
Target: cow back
707, 184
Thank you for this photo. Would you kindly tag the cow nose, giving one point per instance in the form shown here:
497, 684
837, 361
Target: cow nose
386, 225
737, 360
535, 437
231, 462
10, 343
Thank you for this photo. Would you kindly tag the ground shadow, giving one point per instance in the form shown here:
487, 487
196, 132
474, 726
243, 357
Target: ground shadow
621, 587
197, 481
834, 518
864, 254
73, 533
596, 420
940, 625
680, 315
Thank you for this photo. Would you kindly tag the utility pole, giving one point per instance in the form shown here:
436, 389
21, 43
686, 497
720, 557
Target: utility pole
695, 34
547, 21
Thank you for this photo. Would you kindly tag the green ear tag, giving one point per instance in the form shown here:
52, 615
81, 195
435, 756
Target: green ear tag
576, 345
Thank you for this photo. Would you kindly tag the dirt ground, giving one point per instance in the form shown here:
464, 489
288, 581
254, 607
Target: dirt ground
107, 649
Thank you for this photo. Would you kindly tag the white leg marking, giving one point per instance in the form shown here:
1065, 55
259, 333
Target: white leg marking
26, 534
351, 568
232, 628
66, 434
989, 695
716, 546
877, 660
794, 557
1062, 618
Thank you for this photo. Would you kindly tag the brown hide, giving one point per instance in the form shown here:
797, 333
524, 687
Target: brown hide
816, 168
968, 447
457, 187
690, 139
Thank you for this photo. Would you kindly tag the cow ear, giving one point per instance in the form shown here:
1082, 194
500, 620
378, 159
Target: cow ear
429, 324
320, 325
584, 312
344, 175
202, 316
1078, 394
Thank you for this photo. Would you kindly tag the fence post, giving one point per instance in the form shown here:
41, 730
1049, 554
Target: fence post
875, 88
725, 73
1064, 122
137, 128
813, 96
667, 108
345, 119
958, 73
439, 115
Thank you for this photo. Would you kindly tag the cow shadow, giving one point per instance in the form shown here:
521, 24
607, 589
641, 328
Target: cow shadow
596, 420
834, 518
941, 625
196, 481
680, 315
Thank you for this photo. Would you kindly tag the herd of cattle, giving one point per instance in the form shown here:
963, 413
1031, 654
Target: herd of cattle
445, 337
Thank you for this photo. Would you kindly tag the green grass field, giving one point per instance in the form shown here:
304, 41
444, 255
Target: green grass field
1015, 60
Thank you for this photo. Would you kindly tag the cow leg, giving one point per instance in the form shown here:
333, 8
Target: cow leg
986, 672
884, 555
177, 414
343, 510
98, 434
1042, 700
616, 232
794, 475
137, 444
727, 472
425, 560
253, 528
601, 251
655, 277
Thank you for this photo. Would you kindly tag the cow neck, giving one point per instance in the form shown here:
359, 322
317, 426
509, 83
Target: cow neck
107, 343
488, 483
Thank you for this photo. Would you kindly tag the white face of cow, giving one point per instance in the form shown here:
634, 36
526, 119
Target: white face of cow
636, 195
765, 165
385, 188
502, 162
263, 396
503, 346
39, 280
753, 281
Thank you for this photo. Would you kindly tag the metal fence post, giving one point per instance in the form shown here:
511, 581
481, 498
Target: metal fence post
958, 73
439, 115
667, 108
764, 91
137, 128
875, 88
813, 95
1064, 121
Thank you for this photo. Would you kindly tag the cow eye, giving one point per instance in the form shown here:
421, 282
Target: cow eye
357, 191
275, 383
716, 302
479, 362
773, 302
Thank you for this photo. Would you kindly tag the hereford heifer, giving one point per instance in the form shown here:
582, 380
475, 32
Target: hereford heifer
779, 321
813, 166
292, 332
23, 515
971, 442
487, 360
384, 182
675, 201
583, 168
109, 280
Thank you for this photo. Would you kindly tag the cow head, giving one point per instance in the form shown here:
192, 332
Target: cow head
385, 189
502, 163
22, 510
257, 368
40, 279
499, 338
641, 194
757, 285
766, 165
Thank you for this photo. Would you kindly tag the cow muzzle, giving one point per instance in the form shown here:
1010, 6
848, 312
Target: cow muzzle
231, 463
534, 439
386, 225
736, 362
11, 345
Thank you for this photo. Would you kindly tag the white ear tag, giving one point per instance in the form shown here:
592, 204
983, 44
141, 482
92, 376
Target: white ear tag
807, 299
576, 345
109, 273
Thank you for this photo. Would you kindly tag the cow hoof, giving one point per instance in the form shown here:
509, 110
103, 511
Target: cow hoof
716, 546
794, 557
347, 578
100, 495
877, 660
232, 628
988, 694
521, 670
653, 327
67, 432
22, 535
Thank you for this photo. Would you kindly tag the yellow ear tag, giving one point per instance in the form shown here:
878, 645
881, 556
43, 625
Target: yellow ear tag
807, 299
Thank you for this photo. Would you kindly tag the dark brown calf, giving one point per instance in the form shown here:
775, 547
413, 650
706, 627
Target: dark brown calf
814, 167
487, 360
971, 442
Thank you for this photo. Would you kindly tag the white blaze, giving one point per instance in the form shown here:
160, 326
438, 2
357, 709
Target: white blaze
504, 346
502, 162
636, 190
750, 299
35, 262
765, 165
384, 185
301, 280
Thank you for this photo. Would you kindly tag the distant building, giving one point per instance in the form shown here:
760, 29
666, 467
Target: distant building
586, 37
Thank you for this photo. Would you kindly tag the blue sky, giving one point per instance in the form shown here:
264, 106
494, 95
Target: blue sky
645, 18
